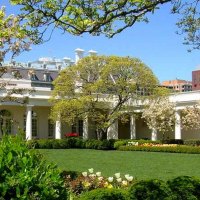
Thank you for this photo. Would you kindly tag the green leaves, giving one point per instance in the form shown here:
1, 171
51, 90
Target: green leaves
24, 174
100, 88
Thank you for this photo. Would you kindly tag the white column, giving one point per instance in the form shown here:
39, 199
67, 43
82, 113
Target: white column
132, 127
112, 132
29, 122
58, 130
177, 124
85, 128
154, 135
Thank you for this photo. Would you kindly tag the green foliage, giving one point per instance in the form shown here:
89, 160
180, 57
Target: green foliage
105, 194
185, 187
150, 189
69, 143
170, 149
192, 142
105, 16
101, 90
24, 174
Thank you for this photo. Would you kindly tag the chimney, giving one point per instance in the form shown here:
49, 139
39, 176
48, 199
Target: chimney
78, 54
92, 53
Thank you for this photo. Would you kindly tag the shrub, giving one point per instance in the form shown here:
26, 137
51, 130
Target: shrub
173, 141
192, 142
169, 149
150, 189
185, 187
105, 194
24, 174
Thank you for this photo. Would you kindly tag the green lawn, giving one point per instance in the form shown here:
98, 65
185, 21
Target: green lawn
142, 165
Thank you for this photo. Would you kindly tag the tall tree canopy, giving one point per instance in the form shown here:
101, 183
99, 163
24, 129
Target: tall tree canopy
107, 17
101, 88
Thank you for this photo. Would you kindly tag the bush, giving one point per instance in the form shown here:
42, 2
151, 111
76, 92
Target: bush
105, 194
185, 187
24, 174
192, 142
150, 189
169, 149
173, 141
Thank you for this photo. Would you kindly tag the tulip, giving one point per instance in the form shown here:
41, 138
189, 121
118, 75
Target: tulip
91, 170
110, 179
117, 175
84, 174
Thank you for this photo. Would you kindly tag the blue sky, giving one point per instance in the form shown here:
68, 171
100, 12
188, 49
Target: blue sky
155, 43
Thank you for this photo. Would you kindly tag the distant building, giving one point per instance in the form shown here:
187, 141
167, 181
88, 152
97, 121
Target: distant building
178, 85
196, 79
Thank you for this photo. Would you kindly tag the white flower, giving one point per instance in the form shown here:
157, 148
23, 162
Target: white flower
117, 175
92, 175
100, 178
127, 176
119, 180
84, 174
91, 170
110, 179
98, 173
125, 183
130, 178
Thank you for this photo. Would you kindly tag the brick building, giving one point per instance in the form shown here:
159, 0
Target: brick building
178, 85
196, 79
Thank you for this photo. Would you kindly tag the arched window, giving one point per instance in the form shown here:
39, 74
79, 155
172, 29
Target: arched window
5, 122
34, 124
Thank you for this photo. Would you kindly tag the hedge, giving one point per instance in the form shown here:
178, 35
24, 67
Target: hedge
179, 188
170, 149
69, 143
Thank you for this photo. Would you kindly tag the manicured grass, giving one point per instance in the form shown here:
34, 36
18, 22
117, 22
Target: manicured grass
142, 165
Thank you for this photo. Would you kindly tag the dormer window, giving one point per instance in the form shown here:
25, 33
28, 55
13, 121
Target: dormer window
47, 77
32, 76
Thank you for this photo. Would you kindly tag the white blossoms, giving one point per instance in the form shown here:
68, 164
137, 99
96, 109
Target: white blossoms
84, 174
117, 175
91, 170
128, 178
110, 179
98, 174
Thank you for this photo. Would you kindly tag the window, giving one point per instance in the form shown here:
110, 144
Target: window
34, 77
74, 128
5, 122
47, 77
51, 128
34, 124
80, 127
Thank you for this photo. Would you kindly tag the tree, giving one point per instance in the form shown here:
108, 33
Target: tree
102, 89
106, 16
191, 117
159, 115
14, 39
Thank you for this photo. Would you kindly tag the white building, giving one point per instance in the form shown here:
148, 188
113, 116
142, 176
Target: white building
32, 117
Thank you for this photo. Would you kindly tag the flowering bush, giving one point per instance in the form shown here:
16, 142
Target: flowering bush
90, 180
71, 135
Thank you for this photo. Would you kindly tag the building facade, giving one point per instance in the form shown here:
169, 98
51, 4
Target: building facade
196, 79
178, 85
33, 116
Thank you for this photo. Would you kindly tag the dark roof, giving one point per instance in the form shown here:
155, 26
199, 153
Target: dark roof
27, 73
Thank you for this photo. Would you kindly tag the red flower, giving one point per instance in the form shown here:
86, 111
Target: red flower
71, 135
